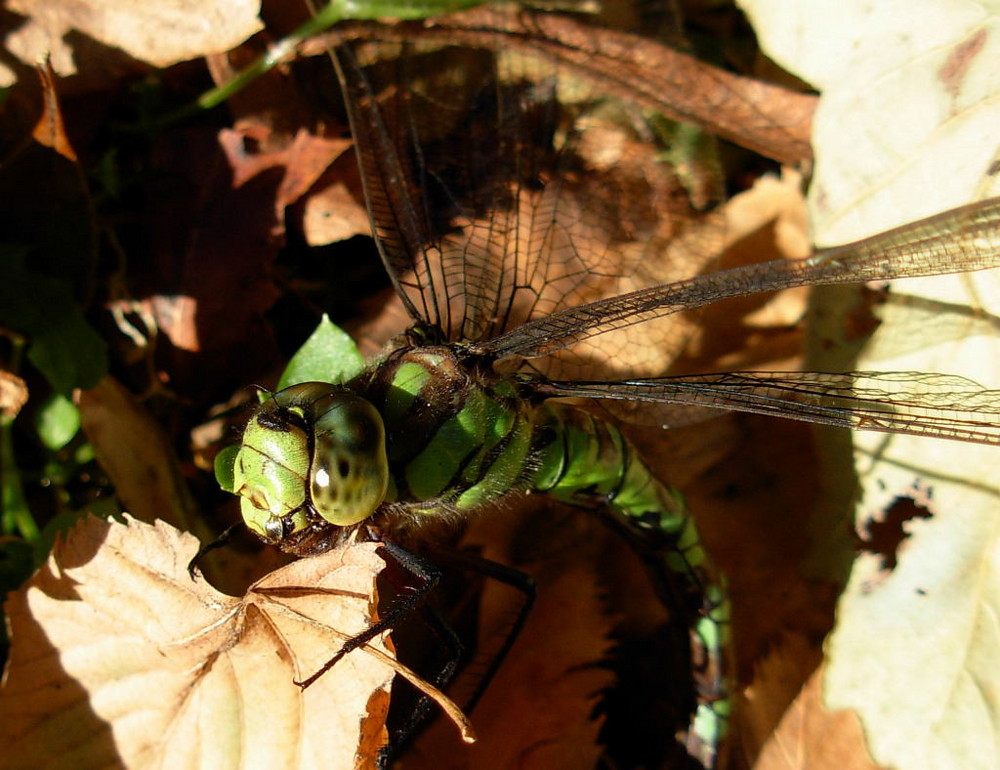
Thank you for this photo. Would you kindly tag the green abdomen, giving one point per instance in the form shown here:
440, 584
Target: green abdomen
455, 442
587, 462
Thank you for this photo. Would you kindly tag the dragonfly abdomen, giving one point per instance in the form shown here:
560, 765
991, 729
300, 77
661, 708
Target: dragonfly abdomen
587, 462
457, 438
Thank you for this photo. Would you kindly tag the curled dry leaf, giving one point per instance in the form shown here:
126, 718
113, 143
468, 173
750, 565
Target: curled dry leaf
161, 33
119, 658
766, 118
13, 394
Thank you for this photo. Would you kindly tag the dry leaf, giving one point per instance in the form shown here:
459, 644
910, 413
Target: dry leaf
906, 128
808, 737
539, 711
50, 131
13, 394
161, 33
136, 454
120, 658
768, 119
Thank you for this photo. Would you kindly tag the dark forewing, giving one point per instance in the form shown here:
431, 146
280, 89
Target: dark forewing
492, 189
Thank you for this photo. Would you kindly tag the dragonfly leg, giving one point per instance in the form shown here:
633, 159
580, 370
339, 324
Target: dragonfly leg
401, 736
410, 598
516, 579
443, 631
219, 542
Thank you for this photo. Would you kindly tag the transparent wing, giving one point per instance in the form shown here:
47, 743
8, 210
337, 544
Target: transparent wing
960, 240
501, 191
512, 215
943, 406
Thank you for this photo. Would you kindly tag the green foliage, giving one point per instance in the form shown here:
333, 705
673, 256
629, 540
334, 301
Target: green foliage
329, 355
57, 422
62, 345
225, 463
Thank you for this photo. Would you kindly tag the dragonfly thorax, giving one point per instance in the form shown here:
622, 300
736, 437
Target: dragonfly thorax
457, 435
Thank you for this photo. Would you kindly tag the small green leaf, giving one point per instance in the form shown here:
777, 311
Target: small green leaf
57, 422
329, 355
62, 345
225, 463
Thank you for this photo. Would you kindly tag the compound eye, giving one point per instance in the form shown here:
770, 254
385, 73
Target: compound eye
349, 475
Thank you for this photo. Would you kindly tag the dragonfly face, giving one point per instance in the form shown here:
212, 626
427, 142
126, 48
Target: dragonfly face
312, 456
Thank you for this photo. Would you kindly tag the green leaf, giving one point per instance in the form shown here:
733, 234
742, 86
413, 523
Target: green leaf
62, 345
15, 516
224, 465
57, 422
16, 564
329, 355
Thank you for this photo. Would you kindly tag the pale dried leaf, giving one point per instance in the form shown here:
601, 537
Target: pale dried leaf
161, 33
906, 128
119, 658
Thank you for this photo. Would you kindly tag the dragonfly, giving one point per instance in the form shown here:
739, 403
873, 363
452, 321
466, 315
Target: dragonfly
516, 255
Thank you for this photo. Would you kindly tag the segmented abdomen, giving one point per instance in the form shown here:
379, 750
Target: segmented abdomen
456, 441
587, 462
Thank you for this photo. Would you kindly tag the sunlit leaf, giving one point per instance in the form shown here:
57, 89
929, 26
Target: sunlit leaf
329, 355
161, 34
57, 422
118, 653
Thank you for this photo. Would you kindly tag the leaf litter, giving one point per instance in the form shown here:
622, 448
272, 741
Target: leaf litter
755, 586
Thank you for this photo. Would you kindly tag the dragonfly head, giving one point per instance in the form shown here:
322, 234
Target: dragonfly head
312, 457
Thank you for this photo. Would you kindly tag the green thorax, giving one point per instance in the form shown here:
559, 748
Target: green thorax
455, 435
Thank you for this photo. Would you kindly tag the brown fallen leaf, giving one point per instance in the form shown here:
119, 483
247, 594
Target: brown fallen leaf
540, 711
119, 658
771, 120
50, 131
136, 454
809, 736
